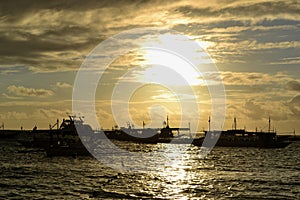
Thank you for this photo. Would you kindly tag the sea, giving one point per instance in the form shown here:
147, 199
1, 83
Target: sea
225, 173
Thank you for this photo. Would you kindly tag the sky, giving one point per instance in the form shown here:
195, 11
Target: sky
254, 44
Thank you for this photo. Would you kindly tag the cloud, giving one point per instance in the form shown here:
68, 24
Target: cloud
294, 105
29, 92
254, 110
5, 70
63, 85
50, 114
14, 115
256, 36
242, 9
296, 100
42, 32
246, 78
253, 45
55, 36
239, 31
287, 61
10, 97
293, 85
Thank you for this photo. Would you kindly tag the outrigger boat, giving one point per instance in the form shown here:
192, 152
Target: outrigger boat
139, 135
68, 142
242, 138
167, 135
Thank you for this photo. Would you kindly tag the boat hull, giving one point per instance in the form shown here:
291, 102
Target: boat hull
242, 142
123, 136
67, 151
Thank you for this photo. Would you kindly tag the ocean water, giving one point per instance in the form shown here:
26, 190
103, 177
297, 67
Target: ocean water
226, 173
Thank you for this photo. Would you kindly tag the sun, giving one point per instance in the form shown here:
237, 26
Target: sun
163, 64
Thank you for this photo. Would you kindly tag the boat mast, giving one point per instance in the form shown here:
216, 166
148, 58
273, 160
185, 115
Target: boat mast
234, 122
167, 121
269, 124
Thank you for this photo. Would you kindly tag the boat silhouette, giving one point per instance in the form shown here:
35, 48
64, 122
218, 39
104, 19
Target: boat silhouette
242, 138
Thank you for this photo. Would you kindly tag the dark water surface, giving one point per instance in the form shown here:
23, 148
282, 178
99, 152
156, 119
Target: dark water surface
227, 173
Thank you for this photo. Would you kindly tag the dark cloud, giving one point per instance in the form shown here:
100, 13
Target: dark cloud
33, 34
32, 31
246, 9
13, 8
54, 49
39, 44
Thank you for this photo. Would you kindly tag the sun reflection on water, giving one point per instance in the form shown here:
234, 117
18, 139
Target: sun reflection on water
177, 172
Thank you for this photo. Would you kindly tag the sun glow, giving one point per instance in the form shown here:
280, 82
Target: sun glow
167, 67
167, 60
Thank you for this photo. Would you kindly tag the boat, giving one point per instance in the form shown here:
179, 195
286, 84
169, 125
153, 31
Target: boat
8, 134
167, 135
139, 135
62, 141
39, 138
242, 138
66, 150
68, 142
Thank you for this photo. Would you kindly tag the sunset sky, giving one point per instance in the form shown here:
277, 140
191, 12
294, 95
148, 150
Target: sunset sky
255, 45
